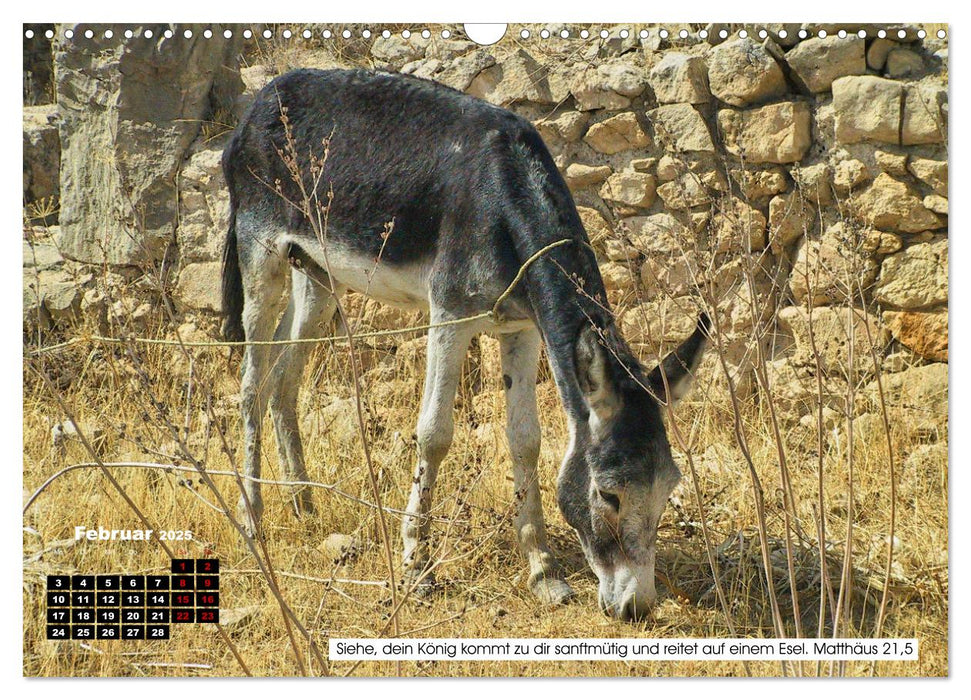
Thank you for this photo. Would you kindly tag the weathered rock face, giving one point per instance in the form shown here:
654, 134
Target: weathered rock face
620, 133
689, 161
607, 86
817, 62
923, 332
833, 269
680, 78
914, 278
742, 72
891, 204
777, 133
681, 128
867, 109
138, 103
42, 153
632, 189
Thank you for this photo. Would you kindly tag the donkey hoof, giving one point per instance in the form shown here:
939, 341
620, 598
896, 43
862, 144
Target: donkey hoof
552, 591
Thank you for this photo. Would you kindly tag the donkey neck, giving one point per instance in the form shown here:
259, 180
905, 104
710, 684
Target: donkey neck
566, 292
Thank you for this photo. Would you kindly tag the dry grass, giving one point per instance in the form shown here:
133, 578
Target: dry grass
111, 388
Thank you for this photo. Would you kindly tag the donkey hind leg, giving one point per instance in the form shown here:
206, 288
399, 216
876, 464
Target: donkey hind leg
264, 278
311, 307
520, 357
446, 352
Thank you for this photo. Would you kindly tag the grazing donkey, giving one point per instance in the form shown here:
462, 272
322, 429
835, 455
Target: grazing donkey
472, 193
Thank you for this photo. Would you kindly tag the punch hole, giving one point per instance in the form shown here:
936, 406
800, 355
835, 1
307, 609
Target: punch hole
782, 33
487, 34
664, 33
109, 33
941, 34
882, 34
386, 34
129, 33
723, 34
228, 34
584, 34
327, 34
207, 33
841, 33
425, 34
524, 34
168, 34
604, 33
287, 34
247, 34
49, 34
921, 34
366, 34
545, 34
643, 34
703, 33
29, 34
624, 33
267, 34
861, 33
683, 34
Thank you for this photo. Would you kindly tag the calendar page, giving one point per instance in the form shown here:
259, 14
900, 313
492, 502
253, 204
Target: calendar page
446, 350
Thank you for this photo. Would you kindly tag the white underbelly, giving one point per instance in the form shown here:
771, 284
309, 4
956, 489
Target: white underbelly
405, 286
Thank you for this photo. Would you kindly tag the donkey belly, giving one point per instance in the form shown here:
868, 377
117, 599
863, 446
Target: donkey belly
403, 285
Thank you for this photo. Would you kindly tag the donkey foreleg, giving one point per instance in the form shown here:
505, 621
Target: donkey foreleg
520, 356
446, 352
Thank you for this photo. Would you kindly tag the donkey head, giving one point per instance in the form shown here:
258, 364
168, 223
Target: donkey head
618, 471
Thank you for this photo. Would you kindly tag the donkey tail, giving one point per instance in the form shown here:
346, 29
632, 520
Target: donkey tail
232, 287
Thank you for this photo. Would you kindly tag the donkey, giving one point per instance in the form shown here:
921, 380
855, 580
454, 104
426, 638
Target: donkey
473, 194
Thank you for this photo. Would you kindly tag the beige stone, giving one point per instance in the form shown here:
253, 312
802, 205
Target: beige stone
876, 55
867, 109
850, 174
904, 63
738, 227
684, 192
818, 61
914, 278
517, 78
833, 268
923, 332
892, 205
924, 119
607, 86
756, 184
579, 175
658, 234
681, 128
199, 286
619, 133
568, 126
920, 392
931, 172
893, 163
595, 224
632, 189
776, 133
790, 218
742, 72
680, 78
815, 183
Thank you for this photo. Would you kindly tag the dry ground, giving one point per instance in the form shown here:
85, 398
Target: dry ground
137, 402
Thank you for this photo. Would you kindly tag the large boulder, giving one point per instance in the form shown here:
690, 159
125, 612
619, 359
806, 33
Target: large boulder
129, 109
914, 278
818, 61
867, 109
776, 133
932, 173
742, 72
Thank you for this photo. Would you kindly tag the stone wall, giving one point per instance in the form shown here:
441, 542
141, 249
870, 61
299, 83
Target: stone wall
793, 184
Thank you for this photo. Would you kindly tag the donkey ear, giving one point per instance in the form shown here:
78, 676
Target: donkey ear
671, 379
594, 376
